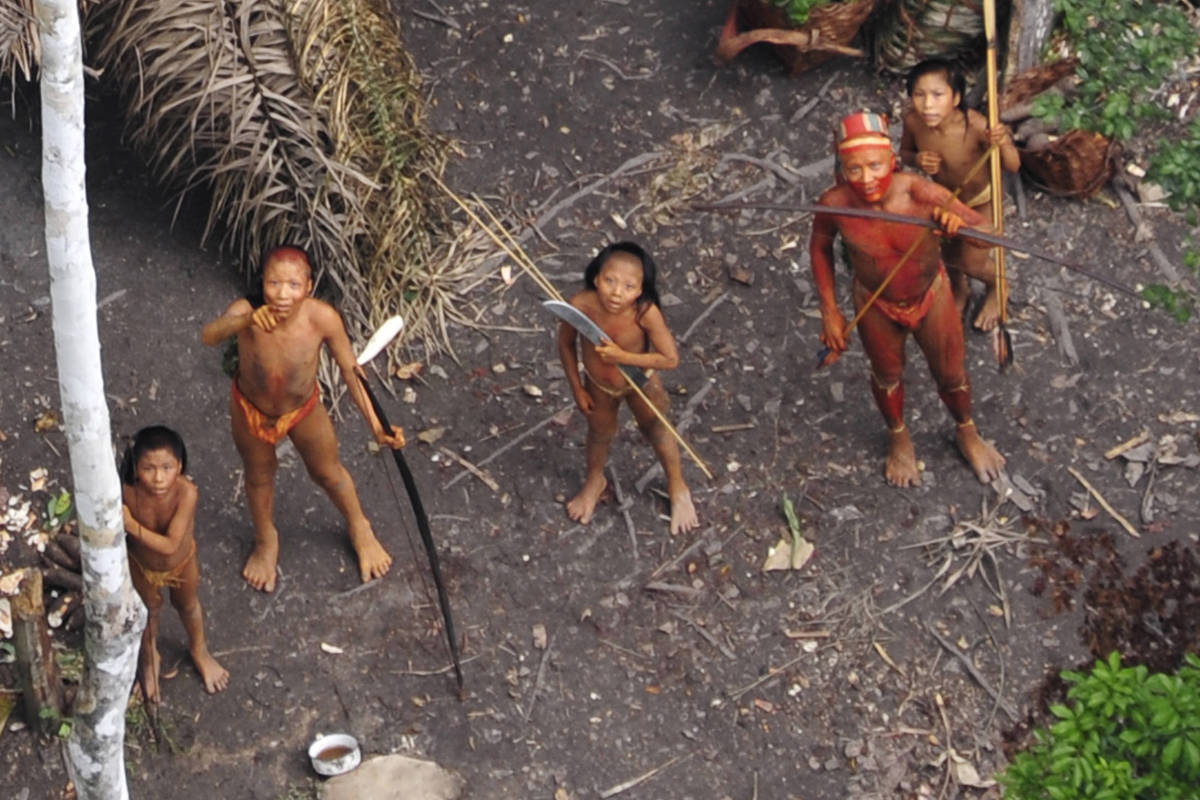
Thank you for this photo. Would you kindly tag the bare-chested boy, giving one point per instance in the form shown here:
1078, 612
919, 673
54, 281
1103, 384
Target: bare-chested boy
621, 297
917, 301
275, 394
160, 518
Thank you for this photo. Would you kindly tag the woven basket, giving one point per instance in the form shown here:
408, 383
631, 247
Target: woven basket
1077, 164
834, 25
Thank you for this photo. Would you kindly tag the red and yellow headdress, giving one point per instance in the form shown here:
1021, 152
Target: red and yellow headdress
862, 129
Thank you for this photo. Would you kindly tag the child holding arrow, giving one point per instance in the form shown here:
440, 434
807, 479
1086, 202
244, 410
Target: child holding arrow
621, 298
900, 287
275, 394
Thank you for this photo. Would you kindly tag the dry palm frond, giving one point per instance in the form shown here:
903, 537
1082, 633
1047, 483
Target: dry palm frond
301, 119
20, 45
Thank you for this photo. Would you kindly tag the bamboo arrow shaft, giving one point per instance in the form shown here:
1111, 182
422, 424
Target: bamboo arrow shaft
989, 25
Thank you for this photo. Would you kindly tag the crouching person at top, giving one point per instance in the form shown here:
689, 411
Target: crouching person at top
275, 394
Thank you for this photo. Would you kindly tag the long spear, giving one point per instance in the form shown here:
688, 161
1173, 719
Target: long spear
824, 353
970, 233
1001, 341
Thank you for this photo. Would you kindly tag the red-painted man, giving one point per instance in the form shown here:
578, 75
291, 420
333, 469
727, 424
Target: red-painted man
918, 300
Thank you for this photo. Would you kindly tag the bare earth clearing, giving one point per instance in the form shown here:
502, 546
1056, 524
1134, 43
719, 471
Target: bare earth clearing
599, 653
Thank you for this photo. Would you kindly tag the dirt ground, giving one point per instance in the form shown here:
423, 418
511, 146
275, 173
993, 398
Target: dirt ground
889, 666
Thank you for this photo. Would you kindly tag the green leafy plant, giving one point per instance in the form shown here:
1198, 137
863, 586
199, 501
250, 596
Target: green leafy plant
58, 510
1179, 303
798, 10
56, 723
1176, 168
1124, 734
1126, 49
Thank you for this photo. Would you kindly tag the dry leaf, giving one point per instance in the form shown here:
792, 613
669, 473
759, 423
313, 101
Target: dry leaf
780, 556
561, 794
37, 479
506, 274
48, 420
967, 775
10, 584
539, 636
409, 371
531, 390
764, 705
431, 435
331, 648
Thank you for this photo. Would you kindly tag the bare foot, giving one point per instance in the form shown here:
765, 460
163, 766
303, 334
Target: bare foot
581, 507
989, 313
900, 469
215, 677
150, 665
683, 513
982, 457
259, 571
373, 561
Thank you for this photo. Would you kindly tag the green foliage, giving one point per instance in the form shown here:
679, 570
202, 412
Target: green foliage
58, 510
57, 724
1125, 734
1126, 49
798, 10
1179, 303
1176, 168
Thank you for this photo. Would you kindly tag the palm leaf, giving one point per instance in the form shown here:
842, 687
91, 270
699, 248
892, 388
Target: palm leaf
302, 121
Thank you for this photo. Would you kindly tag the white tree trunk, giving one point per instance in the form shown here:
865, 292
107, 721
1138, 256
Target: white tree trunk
115, 614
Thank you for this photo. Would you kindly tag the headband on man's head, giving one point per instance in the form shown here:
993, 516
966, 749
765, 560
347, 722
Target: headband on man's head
862, 129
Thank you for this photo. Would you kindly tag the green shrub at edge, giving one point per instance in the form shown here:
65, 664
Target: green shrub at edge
1124, 734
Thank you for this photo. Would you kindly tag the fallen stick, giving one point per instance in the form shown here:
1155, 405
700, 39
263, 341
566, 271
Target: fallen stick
1128, 444
624, 509
674, 588
691, 548
500, 451
963, 659
737, 426
702, 316
645, 776
487, 480
1112, 512
537, 679
708, 637
771, 673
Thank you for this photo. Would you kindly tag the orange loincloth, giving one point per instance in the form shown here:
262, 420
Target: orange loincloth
160, 578
272, 429
906, 313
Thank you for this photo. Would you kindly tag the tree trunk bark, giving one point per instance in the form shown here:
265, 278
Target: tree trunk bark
115, 614
1029, 26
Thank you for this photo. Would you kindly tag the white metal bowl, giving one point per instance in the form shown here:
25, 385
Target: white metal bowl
334, 753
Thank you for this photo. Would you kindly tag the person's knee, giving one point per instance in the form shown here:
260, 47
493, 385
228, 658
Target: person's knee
331, 478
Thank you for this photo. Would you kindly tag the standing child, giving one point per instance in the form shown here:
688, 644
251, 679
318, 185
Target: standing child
622, 299
275, 394
944, 139
160, 516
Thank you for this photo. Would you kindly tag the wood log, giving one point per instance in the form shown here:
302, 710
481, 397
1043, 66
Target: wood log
58, 554
61, 578
70, 543
41, 689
